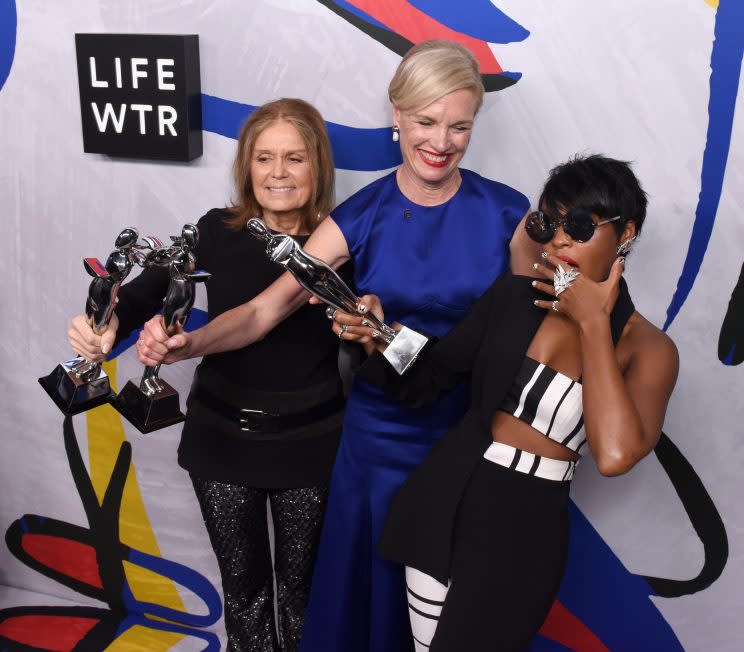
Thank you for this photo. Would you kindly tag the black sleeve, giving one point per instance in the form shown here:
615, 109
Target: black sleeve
140, 299
442, 364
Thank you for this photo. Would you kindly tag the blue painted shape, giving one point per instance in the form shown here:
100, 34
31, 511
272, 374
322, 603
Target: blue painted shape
725, 63
729, 359
186, 577
8, 26
197, 319
600, 592
360, 14
134, 619
477, 18
353, 148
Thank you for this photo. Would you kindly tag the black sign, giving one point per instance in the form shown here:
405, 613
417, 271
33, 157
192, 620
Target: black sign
140, 95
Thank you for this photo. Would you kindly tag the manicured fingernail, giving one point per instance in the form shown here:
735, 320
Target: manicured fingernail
375, 333
622, 260
361, 307
544, 254
535, 302
535, 265
365, 322
534, 284
105, 349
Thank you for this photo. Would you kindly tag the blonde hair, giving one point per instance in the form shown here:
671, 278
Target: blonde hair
432, 69
308, 121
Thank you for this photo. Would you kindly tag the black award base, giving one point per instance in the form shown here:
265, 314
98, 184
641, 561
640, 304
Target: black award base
73, 395
149, 413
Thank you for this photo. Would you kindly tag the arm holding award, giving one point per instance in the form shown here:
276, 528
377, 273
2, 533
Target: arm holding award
81, 384
151, 403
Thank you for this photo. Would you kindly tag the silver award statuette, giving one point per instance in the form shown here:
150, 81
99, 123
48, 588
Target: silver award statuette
150, 403
79, 385
321, 280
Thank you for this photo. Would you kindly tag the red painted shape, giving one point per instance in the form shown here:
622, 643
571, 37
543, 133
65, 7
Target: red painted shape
72, 558
54, 633
416, 26
563, 627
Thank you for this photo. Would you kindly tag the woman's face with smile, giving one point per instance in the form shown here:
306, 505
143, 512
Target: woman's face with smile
281, 174
435, 138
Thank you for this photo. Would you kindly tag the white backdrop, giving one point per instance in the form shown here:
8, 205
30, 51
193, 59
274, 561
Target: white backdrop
631, 80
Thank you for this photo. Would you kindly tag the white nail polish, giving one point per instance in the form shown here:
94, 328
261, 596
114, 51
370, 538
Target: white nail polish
535, 265
534, 284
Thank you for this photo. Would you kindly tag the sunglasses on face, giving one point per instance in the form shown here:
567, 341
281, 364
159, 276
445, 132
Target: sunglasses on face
577, 224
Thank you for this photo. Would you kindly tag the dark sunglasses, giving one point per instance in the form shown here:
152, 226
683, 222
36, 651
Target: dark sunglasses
578, 224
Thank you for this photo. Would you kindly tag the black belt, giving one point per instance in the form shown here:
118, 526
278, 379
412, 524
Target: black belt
254, 420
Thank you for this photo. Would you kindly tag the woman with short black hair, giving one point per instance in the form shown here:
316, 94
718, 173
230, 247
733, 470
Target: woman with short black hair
560, 364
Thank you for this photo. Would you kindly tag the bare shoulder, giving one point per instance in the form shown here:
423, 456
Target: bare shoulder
644, 341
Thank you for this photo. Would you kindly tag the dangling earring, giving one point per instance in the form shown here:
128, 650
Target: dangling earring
623, 249
396, 134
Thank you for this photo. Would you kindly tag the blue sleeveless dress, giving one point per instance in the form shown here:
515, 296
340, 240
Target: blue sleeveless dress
427, 265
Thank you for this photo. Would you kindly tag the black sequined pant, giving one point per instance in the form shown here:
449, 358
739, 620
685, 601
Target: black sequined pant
237, 524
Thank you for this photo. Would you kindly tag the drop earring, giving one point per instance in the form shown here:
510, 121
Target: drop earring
623, 249
396, 134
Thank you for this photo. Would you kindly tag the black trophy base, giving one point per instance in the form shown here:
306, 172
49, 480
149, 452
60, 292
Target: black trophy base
73, 395
149, 413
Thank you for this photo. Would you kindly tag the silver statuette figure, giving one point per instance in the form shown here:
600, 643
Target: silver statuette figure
79, 385
321, 280
151, 403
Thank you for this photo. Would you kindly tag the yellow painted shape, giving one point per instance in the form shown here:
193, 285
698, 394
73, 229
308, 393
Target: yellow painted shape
144, 639
105, 436
712, 3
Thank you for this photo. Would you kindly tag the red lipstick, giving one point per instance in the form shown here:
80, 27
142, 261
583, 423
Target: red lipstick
434, 164
568, 260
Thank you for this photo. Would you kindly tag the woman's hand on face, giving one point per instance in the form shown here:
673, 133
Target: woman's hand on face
583, 300
87, 343
155, 346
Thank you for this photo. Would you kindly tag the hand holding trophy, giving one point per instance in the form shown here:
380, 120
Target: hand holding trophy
321, 280
151, 403
79, 385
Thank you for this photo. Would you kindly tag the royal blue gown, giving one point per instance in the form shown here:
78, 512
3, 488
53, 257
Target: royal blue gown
427, 264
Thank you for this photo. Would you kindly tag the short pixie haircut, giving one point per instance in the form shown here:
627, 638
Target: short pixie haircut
431, 70
308, 121
601, 185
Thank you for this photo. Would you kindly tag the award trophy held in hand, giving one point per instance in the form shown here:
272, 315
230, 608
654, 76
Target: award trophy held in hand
150, 403
79, 385
322, 281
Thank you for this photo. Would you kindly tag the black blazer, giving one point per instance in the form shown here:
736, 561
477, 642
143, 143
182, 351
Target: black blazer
489, 343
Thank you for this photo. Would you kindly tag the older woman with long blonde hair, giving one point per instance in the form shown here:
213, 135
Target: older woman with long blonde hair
263, 420
428, 238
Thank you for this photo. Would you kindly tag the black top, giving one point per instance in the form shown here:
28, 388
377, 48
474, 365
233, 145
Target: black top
290, 370
490, 344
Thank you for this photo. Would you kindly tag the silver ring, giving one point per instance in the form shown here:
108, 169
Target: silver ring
331, 312
563, 278
554, 305
344, 328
